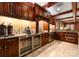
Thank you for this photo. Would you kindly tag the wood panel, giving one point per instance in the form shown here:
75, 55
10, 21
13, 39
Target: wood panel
44, 38
1, 48
71, 37
11, 47
1, 8
25, 12
6, 8
77, 26
49, 4
31, 14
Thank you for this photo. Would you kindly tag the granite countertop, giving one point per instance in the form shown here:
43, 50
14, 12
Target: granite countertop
17, 35
20, 35
74, 31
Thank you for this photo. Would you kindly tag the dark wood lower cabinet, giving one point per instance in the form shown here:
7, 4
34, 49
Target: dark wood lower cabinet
71, 37
1, 48
44, 38
9, 47
68, 37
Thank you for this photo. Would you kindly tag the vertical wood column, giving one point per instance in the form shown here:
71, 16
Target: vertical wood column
48, 26
74, 8
55, 23
37, 26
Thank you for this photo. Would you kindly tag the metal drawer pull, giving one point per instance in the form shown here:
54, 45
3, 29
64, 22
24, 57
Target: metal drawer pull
0, 48
10, 40
6, 47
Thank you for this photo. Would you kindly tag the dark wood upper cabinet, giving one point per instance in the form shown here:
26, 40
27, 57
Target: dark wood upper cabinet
22, 10
6, 8
41, 11
11, 47
1, 8
1, 48
18, 11
25, 12
31, 13
37, 9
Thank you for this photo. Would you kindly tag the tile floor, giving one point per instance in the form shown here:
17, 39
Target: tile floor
56, 49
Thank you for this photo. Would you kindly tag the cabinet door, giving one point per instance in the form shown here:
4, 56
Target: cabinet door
37, 10
25, 45
43, 40
37, 41
1, 48
31, 13
25, 12
11, 47
61, 36
13, 9
1, 8
6, 8
18, 11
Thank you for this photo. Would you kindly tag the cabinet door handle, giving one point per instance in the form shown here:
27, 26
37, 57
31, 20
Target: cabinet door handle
0, 47
6, 47
9, 40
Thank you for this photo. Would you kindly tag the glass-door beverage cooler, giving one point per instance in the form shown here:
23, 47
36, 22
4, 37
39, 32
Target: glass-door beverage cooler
25, 45
36, 41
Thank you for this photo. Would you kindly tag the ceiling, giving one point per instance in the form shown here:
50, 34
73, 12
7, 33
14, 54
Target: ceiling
41, 3
65, 15
59, 8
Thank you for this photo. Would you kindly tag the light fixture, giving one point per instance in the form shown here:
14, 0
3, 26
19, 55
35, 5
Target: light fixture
58, 9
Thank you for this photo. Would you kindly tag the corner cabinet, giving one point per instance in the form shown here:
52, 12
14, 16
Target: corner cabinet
9, 47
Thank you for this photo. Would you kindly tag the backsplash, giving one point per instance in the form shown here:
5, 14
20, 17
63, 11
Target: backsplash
18, 24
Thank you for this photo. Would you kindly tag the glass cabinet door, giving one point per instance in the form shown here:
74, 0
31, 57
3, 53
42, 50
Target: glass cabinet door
36, 41
51, 37
25, 44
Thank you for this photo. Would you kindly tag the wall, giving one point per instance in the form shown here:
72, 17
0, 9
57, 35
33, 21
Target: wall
52, 28
43, 26
57, 25
18, 24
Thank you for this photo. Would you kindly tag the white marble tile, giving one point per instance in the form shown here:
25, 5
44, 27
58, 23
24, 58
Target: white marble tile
56, 49
62, 50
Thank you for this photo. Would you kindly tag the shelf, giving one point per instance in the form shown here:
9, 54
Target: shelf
25, 50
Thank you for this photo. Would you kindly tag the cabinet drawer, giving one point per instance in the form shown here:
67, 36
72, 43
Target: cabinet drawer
1, 41
11, 41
